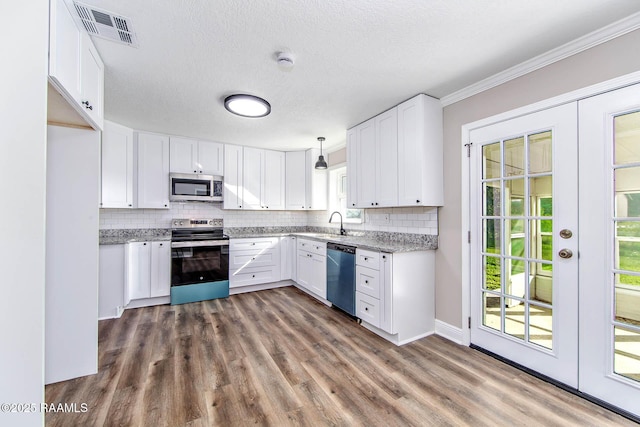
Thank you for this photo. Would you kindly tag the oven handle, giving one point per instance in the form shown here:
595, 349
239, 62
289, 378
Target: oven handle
200, 244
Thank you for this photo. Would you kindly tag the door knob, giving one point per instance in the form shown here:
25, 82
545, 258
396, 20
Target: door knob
566, 234
565, 253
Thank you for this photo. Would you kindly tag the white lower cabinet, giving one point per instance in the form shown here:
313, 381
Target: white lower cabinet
395, 294
148, 270
311, 266
111, 280
288, 270
254, 261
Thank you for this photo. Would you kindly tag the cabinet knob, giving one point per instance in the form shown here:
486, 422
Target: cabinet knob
130, 205
371, 203
165, 205
253, 259
376, 203
253, 244
160, 244
366, 259
253, 275
303, 207
366, 309
195, 171
240, 206
417, 201
366, 281
353, 204
144, 244
384, 257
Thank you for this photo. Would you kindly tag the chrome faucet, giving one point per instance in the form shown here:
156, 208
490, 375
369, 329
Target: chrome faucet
343, 232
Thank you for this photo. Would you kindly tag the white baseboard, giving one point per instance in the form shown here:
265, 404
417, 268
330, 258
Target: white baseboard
449, 332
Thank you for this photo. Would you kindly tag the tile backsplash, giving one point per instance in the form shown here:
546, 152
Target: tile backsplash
419, 220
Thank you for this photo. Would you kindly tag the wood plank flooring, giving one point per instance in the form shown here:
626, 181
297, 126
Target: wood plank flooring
281, 358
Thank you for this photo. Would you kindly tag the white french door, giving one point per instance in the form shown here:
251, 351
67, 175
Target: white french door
555, 252
610, 247
524, 186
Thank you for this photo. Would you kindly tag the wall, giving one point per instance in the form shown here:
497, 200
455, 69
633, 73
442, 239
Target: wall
23, 118
606, 61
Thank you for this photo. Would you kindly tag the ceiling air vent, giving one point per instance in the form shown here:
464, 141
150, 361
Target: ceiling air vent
106, 25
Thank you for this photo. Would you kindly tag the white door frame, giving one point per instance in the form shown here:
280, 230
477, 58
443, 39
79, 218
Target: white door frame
576, 95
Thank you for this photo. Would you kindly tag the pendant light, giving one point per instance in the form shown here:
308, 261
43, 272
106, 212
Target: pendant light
321, 163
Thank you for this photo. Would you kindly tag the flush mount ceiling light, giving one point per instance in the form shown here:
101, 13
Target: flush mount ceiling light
321, 163
247, 105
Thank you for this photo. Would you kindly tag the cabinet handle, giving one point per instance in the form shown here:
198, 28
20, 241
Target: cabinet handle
86, 105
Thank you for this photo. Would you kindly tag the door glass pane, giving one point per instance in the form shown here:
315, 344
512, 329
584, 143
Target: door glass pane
627, 298
541, 325
491, 161
540, 283
514, 157
514, 197
492, 273
514, 323
627, 353
492, 198
491, 311
627, 246
492, 233
540, 152
515, 283
541, 187
627, 201
627, 138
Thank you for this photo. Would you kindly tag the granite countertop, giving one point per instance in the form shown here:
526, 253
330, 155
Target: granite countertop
372, 240
376, 241
122, 236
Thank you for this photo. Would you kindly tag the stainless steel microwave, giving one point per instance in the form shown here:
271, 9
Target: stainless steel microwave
193, 187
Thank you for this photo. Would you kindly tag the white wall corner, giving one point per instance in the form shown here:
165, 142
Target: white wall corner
449, 332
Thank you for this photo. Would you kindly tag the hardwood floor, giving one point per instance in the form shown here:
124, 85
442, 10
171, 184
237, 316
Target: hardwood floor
279, 357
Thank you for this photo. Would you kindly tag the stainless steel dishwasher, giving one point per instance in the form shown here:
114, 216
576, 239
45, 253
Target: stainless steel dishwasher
341, 276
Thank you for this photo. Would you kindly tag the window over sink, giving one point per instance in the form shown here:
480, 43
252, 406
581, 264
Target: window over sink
338, 196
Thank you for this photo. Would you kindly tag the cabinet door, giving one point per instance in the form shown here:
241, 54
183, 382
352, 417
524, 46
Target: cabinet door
352, 168
183, 152
139, 270
295, 176
210, 159
366, 154
92, 82
64, 51
160, 281
153, 171
272, 182
252, 178
304, 269
387, 158
233, 185
319, 275
420, 181
316, 183
117, 166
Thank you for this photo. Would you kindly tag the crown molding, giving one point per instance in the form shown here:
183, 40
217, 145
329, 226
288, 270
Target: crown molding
595, 38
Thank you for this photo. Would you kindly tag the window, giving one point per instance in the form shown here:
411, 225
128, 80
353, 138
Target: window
338, 196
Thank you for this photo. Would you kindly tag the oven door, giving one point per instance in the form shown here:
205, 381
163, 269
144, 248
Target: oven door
199, 262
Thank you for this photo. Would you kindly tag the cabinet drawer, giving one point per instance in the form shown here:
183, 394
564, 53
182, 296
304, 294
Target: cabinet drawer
253, 276
258, 244
368, 259
252, 258
368, 309
368, 281
318, 248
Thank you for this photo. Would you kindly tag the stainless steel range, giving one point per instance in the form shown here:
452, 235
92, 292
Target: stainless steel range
199, 260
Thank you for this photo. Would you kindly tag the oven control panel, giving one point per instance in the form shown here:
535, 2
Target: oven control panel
196, 222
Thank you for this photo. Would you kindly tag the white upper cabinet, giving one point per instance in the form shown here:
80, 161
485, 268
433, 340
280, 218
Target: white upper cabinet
193, 156
92, 82
306, 187
315, 182
64, 50
153, 171
295, 177
75, 68
252, 178
420, 177
117, 166
395, 158
233, 185
273, 176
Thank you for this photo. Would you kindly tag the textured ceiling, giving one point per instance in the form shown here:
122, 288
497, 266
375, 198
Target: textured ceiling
353, 59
